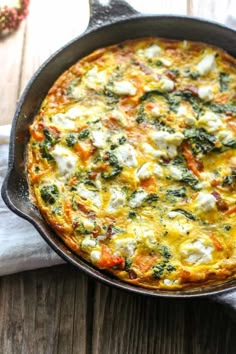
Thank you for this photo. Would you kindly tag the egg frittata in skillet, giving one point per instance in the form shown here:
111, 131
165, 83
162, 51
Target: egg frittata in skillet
132, 161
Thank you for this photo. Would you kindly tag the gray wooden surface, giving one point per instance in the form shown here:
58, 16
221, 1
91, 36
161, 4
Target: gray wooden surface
61, 310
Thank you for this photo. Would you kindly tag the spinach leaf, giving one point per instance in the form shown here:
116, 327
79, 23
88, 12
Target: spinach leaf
49, 193
223, 108
83, 134
158, 270
172, 99
132, 215
185, 213
114, 172
179, 193
149, 94
71, 140
45, 146
194, 100
189, 178
111, 97
224, 81
230, 179
141, 115
165, 252
193, 74
230, 144
201, 141
153, 197
128, 264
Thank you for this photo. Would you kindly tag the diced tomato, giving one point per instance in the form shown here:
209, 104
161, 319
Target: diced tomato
108, 259
36, 133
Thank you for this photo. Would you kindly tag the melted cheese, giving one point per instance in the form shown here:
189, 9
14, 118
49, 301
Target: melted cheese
65, 159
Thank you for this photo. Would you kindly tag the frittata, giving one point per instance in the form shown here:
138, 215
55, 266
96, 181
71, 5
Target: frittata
132, 161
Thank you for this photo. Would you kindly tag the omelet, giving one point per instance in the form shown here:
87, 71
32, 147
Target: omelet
132, 161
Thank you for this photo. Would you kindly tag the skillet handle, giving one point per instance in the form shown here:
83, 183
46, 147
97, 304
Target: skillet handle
107, 11
228, 300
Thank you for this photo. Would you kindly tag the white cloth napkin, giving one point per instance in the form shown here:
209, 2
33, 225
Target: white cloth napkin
21, 246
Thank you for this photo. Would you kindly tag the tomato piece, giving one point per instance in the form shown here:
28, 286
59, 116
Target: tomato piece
108, 259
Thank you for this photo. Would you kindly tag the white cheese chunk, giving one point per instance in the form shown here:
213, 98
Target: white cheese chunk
61, 121
116, 201
167, 142
146, 237
170, 282
123, 88
175, 172
205, 202
98, 137
87, 244
88, 194
119, 116
65, 159
95, 78
126, 155
211, 122
166, 84
205, 93
126, 246
95, 256
88, 224
158, 170
145, 171
156, 111
74, 113
166, 62
137, 199
151, 52
150, 151
197, 252
182, 111
225, 136
173, 214
206, 65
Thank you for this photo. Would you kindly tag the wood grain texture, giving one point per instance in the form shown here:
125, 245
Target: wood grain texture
10, 69
160, 6
60, 310
44, 312
50, 25
215, 10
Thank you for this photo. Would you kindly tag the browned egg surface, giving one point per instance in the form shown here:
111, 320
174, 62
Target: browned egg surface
132, 161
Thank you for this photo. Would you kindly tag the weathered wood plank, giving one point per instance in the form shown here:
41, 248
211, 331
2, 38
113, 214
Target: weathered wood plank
160, 7
44, 311
125, 323
210, 9
49, 26
10, 67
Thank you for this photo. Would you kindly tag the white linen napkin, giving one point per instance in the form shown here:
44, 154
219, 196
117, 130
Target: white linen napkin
21, 246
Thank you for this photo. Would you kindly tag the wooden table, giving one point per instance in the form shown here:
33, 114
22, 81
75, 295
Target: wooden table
61, 310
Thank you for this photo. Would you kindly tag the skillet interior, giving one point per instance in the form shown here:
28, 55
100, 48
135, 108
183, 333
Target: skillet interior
15, 188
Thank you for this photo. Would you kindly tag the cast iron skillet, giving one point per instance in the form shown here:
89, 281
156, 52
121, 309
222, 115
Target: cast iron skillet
108, 24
